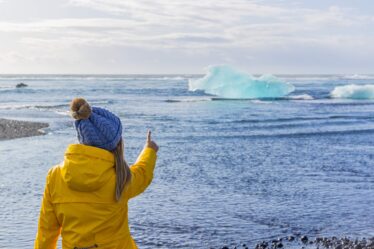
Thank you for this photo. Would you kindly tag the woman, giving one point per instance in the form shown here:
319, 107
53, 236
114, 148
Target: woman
85, 198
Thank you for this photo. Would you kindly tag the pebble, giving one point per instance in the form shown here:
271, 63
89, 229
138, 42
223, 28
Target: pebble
319, 240
290, 238
304, 239
315, 243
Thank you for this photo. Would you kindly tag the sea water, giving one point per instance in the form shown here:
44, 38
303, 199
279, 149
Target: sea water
228, 171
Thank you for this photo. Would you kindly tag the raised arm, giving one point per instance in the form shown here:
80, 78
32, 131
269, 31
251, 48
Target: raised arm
142, 170
48, 226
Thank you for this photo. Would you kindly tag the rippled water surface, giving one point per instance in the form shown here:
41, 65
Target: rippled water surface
229, 171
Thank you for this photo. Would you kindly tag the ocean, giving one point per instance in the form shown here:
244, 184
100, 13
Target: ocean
228, 171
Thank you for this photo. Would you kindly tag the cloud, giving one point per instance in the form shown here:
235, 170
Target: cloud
184, 24
334, 15
217, 29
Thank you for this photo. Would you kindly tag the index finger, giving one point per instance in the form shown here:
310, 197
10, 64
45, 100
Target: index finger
149, 135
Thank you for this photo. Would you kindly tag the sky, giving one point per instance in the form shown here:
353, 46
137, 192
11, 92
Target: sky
185, 36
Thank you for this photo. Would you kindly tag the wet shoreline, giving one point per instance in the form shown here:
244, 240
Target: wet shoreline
305, 242
10, 129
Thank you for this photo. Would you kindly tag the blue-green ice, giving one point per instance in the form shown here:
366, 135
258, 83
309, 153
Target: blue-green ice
227, 82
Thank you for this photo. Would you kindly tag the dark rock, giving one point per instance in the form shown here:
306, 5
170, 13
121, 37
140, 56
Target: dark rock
290, 238
19, 85
264, 245
371, 244
339, 247
359, 246
304, 239
364, 242
279, 245
225, 247
319, 240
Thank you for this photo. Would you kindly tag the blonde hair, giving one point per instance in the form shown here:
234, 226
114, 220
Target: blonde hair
123, 173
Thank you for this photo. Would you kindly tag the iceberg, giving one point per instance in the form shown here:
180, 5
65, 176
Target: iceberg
353, 92
227, 82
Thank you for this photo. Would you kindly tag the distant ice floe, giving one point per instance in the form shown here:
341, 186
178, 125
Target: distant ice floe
358, 77
301, 97
353, 92
227, 82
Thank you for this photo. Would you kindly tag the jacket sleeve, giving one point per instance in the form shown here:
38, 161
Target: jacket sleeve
142, 172
48, 226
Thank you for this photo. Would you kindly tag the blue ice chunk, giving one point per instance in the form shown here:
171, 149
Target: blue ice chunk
227, 82
353, 92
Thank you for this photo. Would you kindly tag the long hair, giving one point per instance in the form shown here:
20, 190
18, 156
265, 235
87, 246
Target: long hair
123, 173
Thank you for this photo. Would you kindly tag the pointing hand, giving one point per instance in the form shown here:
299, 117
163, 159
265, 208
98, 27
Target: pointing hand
150, 143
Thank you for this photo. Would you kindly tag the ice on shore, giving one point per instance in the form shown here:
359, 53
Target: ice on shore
353, 92
227, 82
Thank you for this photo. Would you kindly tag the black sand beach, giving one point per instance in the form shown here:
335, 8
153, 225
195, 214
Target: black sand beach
10, 129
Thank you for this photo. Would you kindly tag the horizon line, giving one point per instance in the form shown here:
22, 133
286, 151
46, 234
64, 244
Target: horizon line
173, 74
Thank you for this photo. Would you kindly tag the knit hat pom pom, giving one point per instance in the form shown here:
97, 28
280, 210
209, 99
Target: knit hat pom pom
80, 109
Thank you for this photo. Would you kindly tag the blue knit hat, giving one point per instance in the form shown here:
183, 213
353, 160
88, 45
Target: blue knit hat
96, 126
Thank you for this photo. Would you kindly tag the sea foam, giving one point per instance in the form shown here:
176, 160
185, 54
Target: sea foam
353, 92
227, 82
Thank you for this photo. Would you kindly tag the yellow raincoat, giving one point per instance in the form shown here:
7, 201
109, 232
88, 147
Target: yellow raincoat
79, 200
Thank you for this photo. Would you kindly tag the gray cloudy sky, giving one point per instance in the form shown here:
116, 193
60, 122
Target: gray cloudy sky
184, 36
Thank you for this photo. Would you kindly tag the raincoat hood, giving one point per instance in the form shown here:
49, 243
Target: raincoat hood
79, 200
87, 168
